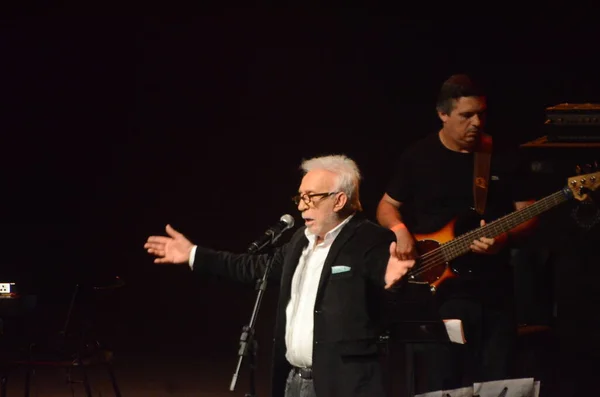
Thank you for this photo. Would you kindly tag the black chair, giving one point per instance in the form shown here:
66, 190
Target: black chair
74, 348
412, 320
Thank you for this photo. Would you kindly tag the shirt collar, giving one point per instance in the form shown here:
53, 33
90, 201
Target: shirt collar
330, 235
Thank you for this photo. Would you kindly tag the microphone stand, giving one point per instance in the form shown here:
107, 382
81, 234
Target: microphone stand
248, 345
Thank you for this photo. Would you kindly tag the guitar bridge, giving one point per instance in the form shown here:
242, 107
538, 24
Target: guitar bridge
418, 282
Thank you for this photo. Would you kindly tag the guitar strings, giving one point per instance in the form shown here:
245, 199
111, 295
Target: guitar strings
431, 259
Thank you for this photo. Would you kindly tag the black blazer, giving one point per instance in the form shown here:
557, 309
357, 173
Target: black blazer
348, 306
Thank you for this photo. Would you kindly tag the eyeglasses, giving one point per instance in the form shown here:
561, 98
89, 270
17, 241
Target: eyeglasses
307, 198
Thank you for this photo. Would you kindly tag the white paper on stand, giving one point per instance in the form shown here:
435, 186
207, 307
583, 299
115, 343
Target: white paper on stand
462, 392
536, 389
430, 394
455, 330
505, 388
525, 387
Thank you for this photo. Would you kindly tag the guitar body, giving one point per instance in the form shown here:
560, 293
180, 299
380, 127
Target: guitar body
436, 272
442, 271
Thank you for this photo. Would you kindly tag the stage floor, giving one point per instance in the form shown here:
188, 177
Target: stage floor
195, 374
182, 347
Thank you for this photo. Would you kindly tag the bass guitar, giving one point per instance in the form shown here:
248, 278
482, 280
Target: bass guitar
437, 250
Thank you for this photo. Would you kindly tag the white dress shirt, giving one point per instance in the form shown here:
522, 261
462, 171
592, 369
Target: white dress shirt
301, 307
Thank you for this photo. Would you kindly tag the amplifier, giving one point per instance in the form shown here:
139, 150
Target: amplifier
573, 122
7, 290
572, 134
573, 114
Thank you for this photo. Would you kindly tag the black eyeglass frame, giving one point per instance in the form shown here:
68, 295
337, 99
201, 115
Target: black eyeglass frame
308, 197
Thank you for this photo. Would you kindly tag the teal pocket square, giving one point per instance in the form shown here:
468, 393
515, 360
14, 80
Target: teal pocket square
339, 269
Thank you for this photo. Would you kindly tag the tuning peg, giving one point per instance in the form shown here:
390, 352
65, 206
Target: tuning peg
596, 165
578, 170
587, 168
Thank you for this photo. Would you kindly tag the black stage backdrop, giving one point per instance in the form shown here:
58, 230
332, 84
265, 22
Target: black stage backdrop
113, 127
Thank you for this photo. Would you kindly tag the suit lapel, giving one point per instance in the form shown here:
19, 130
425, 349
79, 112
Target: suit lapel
341, 240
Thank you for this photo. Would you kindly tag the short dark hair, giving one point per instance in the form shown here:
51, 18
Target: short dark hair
456, 86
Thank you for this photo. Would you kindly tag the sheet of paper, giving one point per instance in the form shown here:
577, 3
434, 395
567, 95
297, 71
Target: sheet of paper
430, 394
505, 388
455, 330
525, 387
536, 388
462, 392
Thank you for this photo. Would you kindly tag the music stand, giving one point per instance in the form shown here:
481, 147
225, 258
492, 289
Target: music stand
74, 346
413, 317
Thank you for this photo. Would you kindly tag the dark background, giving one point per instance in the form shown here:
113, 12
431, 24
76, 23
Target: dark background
113, 127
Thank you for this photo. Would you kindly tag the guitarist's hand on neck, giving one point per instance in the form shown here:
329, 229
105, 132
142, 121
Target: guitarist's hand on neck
488, 245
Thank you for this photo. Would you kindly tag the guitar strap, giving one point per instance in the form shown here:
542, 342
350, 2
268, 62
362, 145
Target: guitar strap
481, 174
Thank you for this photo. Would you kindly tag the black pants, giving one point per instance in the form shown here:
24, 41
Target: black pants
490, 333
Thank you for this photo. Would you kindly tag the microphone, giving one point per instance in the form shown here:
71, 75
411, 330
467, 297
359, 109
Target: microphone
272, 234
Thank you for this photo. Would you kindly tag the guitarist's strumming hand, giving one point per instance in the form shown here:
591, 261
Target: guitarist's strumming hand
396, 267
405, 247
490, 246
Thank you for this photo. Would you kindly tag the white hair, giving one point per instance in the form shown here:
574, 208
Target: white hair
348, 175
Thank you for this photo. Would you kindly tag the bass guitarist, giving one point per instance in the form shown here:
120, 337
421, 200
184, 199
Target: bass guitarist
436, 192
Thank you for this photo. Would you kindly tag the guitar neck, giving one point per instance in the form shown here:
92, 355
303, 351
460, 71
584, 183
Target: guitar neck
461, 245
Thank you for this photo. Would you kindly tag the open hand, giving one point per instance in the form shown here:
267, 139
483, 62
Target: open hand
173, 249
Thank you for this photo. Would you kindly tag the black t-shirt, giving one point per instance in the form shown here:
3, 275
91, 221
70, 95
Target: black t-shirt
435, 186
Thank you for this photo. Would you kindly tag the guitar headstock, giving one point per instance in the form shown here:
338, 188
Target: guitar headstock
582, 184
